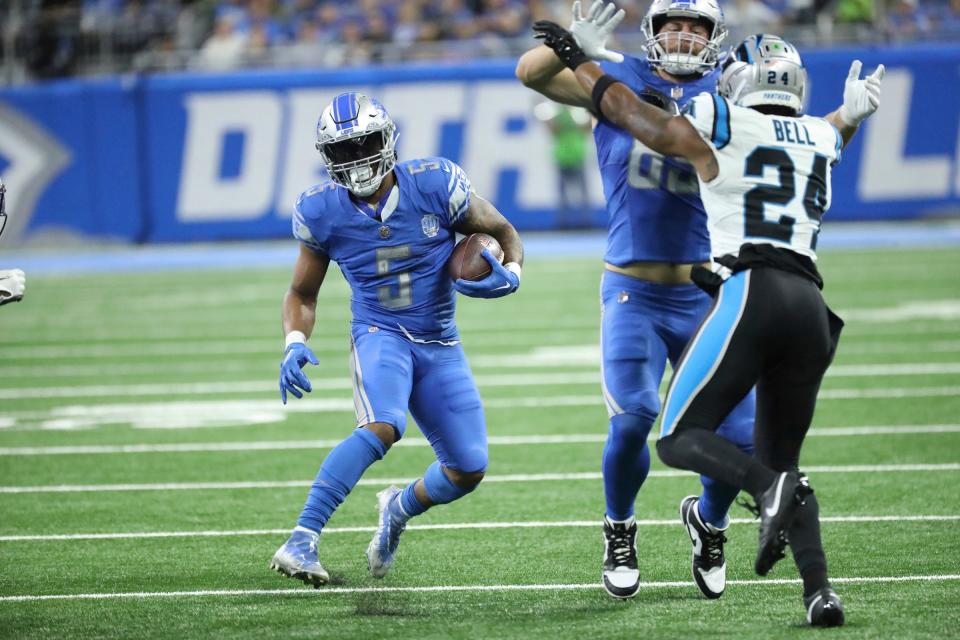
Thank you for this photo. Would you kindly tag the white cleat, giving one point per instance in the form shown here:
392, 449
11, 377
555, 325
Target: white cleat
297, 559
709, 566
383, 547
621, 575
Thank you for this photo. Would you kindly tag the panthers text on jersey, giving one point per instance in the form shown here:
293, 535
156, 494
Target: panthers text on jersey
773, 184
395, 265
653, 206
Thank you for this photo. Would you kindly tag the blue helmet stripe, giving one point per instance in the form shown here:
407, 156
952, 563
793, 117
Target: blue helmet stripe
344, 110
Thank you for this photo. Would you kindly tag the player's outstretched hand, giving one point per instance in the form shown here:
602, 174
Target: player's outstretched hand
561, 41
860, 97
501, 281
592, 32
13, 283
291, 370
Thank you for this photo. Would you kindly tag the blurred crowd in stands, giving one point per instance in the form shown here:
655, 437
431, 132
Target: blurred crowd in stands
54, 38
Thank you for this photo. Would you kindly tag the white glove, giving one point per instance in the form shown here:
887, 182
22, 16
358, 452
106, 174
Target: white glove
592, 32
13, 282
860, 97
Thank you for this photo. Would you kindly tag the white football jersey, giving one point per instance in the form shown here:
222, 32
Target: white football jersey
774, 181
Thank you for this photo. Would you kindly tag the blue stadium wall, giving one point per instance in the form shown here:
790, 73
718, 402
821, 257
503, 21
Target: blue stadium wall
192, 157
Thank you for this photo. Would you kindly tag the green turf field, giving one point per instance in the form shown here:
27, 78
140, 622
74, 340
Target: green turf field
148, 470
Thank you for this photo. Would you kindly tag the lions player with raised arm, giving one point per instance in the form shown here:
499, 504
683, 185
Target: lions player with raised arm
390, 226
657, 233
764, 171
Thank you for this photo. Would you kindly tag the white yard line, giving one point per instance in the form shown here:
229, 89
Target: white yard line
593, 524
286, 445
379, 482
544, 379
573, 357
325, 591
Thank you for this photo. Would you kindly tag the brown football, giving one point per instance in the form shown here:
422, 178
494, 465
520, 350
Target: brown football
467, 263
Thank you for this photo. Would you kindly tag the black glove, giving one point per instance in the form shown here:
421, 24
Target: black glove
562, 42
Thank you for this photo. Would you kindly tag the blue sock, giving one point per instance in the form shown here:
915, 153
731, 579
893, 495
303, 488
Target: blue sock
409, 502
715, 501
338, 475
626, 463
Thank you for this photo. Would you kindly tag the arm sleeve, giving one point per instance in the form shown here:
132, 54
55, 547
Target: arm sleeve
302, 230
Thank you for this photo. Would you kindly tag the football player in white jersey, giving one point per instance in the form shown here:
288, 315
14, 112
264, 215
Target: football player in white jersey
764, 174
13, 282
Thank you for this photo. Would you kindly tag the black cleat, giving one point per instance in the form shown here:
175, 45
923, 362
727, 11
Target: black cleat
824, 608
778, 506
621, 575
709, 566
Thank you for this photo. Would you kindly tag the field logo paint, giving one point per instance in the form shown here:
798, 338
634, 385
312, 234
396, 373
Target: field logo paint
33, 160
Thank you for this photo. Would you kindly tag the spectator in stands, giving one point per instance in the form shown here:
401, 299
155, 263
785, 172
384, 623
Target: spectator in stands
307, 49
946, 20
744, 17
905, 20
52, 38
855, 11
406, 30
225, 47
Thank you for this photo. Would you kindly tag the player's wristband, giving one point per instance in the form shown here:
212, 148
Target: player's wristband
513, 267
294, 337
599, 88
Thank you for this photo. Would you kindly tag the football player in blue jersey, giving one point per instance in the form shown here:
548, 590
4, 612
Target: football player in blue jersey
657, 233
391, 228
769, 326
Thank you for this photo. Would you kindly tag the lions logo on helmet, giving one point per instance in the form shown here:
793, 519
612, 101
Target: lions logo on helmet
765, 70
357, 140
678, 53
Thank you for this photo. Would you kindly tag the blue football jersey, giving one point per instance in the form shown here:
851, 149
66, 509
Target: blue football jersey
653, 203
396, 267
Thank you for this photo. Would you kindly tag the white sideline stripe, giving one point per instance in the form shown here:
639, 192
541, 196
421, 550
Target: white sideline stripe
545, 379
435, 527
572, 357
379, 482
285, 445
316, 593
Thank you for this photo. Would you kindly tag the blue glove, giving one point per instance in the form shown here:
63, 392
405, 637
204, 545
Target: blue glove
291, 370
500, 282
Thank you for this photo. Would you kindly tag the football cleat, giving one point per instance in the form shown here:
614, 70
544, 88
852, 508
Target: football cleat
824, 608
709, 566
297, 558
382, 549
621, 575
778, 506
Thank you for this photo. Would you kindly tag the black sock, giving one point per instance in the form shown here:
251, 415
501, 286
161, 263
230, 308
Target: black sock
814, 579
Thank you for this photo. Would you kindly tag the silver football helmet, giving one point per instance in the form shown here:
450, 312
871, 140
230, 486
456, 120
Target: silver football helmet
357, 140
764, 70
683, 54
